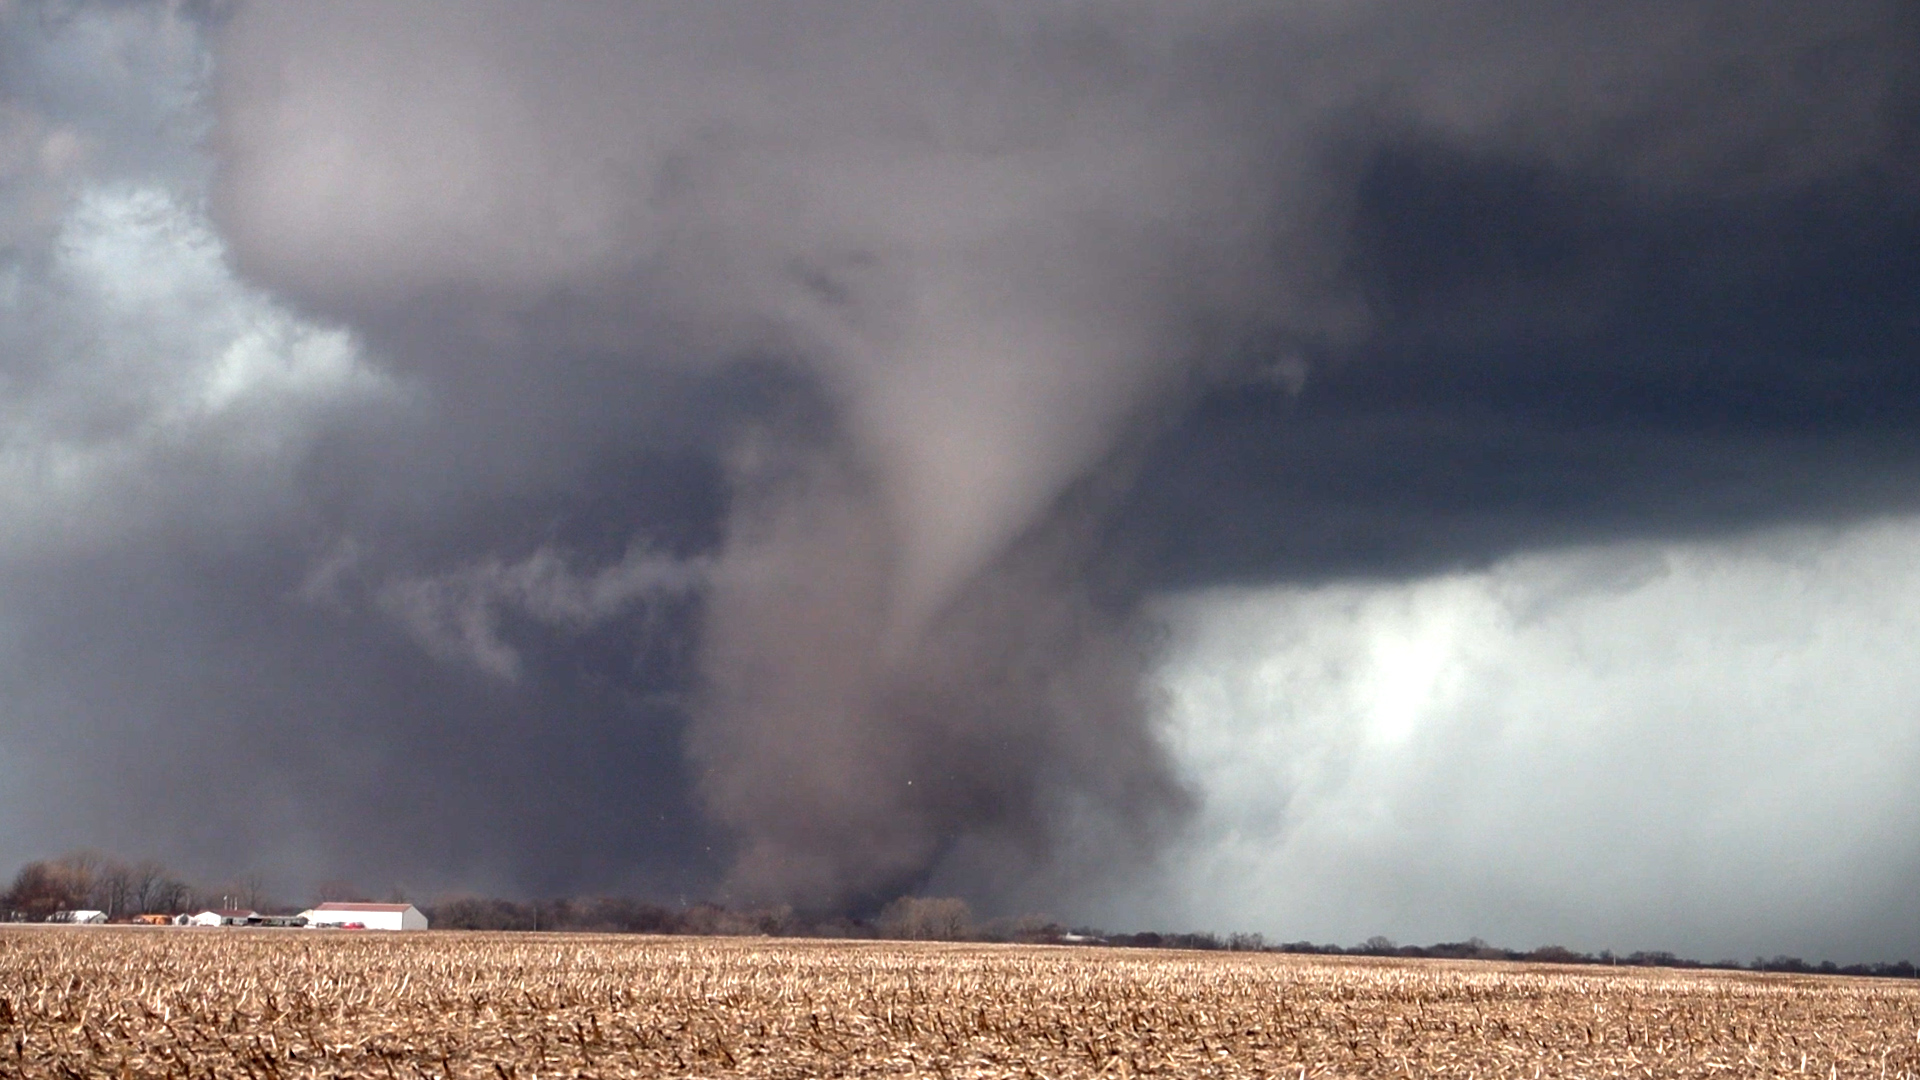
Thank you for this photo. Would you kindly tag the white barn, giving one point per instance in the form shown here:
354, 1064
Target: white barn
371, 916
79, 917
221, 917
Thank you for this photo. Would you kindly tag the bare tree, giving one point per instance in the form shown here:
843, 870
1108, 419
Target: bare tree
144, 881
927, 918
113, 887
250, 890
171, 895
338, 889
40, 889
80, 869
88, 879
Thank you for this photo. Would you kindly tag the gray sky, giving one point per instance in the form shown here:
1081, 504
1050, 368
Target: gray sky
1430, 469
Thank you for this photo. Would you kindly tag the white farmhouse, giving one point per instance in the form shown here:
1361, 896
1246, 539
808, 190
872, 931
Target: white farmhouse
370, 916
221, 917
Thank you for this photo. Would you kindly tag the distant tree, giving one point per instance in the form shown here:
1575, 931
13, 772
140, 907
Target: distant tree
42, 888
479, 913
777, 921
170, 896
1378, 945
78, 879
340, 890
1029, 929
83, 866
633, 916
927, 918
249, 891
113, 887
1556, 954
1484, 951
557, 914
1656, 958
144, 881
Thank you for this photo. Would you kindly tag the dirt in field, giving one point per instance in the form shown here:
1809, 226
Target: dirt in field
280, 1005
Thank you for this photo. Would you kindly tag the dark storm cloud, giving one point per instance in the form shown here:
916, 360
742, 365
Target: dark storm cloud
753, 428
1557, 357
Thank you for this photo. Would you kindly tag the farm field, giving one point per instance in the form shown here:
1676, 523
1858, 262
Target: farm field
280, 1005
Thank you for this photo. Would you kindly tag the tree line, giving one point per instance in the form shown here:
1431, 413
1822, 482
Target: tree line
949, 919
907, 918
1476, 949
92, 881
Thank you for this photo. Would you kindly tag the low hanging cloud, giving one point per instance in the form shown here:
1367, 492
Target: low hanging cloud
456, 615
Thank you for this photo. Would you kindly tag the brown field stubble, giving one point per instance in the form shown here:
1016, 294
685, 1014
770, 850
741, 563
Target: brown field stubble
277, 1005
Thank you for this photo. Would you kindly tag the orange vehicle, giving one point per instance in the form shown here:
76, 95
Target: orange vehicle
153, 920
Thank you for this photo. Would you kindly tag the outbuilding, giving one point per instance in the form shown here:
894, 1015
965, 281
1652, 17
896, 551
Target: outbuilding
221, 917
366, 916
281, 921
79, 917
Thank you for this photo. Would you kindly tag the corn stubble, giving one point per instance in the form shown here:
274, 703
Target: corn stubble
277, 1005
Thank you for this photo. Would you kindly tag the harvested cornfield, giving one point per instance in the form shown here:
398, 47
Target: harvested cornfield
276, 1005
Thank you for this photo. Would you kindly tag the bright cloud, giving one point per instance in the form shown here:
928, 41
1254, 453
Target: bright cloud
135, 346
1710, 748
